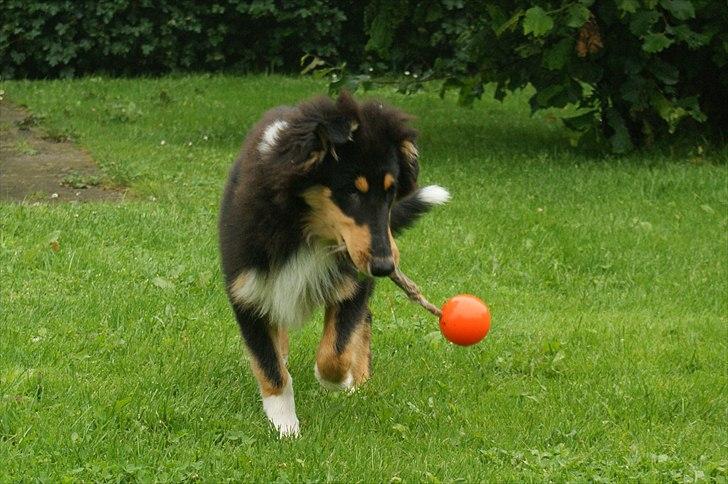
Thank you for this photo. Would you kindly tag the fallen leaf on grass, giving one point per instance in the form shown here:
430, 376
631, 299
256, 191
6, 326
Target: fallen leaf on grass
163, 283
53, 240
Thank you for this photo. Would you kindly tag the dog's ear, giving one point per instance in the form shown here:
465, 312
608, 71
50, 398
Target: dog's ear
320, 127
409, 167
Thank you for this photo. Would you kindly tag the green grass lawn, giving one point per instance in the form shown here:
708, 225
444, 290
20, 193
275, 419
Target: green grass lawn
607, 280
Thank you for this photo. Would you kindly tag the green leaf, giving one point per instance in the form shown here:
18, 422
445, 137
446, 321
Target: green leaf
545, 95
401, 429
656, 43
497, 17
434, 13
680, 9
628, 6
581, 122
556, 56
577, 15
672, 112
471, 89
634, 89
163, 283
587, 72
661, 104
692, 106
537, 22
693, 39
528, 49
640, 22
570, 94
53, 237
238, 437
620, 141
666, 73
510, 24
121, 403
449, 84
434, 339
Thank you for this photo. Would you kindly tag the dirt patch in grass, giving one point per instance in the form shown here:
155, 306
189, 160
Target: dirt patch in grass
37, 166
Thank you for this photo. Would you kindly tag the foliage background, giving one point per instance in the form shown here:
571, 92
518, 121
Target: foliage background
637, 70
46, 38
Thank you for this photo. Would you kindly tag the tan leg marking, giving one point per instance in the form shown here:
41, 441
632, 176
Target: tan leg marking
331, 367
361, 343
267, 387
351, 364
282, 344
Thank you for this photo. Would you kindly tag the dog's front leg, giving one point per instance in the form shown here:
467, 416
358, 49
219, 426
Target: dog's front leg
267, 346
344, 355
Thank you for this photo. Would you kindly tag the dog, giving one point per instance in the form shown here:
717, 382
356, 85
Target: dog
307, 219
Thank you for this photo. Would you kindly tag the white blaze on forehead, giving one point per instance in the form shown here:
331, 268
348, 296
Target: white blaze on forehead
270, 135
434, 195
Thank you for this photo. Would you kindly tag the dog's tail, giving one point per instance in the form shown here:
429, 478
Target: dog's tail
406, 211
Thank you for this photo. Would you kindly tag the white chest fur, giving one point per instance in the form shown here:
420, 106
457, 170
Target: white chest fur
289, 294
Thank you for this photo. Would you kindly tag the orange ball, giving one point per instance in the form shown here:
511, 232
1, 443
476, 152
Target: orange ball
465, 320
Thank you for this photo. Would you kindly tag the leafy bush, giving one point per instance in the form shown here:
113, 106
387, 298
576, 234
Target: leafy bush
636, 68
47, 38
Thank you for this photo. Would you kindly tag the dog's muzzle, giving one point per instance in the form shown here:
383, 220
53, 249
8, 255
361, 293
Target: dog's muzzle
381, 266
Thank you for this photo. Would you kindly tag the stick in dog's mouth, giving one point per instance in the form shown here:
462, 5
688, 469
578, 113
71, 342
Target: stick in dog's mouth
401, 280
413, 292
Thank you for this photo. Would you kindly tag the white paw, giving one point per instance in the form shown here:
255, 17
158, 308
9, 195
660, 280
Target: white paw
346, 384
281, 411
290, 428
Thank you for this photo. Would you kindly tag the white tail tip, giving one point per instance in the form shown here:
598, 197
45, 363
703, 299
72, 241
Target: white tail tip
434, 195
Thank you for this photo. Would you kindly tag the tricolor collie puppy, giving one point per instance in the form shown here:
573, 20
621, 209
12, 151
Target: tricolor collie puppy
308, 219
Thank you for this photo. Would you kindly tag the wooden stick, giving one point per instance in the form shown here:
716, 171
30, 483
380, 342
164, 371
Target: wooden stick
413, 292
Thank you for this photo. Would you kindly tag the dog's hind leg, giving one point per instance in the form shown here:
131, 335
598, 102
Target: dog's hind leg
266, 343
343, 359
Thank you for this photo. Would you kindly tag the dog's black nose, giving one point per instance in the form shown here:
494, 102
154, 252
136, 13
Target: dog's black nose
382, 266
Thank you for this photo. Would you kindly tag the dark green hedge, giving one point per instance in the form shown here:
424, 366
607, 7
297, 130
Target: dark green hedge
638, 69
45, 38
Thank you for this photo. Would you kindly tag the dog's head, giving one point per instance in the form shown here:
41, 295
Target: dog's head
357, 160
